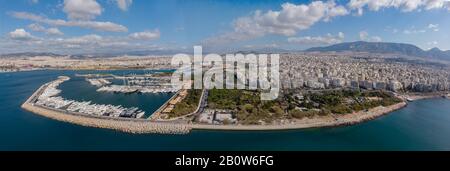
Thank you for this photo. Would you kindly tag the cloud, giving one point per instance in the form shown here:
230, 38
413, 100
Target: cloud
434, 27
91, 43
364, 36
82, 9
375, 39
54, 31
124, 4
432, 43
34, 1
287, 22
20, 34
22, 41
83, 40
146, 35
413, 31
49, 31
319, 40
436, 4
101, 26
404, 5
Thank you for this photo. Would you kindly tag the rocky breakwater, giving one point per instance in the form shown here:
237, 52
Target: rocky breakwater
137, 126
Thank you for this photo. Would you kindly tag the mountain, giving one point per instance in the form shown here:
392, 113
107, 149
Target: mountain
384, 47
262, 50
31, 54
439, 54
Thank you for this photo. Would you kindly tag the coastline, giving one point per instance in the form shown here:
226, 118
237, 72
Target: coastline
136, 126
143, 126
320, 122
414, 97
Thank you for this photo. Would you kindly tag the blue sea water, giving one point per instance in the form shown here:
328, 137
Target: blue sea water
422, 125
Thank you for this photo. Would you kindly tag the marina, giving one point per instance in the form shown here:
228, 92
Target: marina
49, 98
127, 84
133, 89
98, 82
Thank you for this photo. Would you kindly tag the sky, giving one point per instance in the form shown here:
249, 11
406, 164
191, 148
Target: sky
110, 26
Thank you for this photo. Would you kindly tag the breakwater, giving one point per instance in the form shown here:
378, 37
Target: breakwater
120, 124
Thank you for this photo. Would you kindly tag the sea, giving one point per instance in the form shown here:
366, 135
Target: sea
422, 125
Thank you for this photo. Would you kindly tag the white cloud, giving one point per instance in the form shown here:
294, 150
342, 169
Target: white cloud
49, 31
364, 36
436, 4
146, 35
432, 43
434, 27
93, 41
34, 1
54, 31
36, 27
96, 25
288, 21
319, 40
404, 5
22, 41
124, 4
20, 34
82, 9
413, 31
87, 39
375, 39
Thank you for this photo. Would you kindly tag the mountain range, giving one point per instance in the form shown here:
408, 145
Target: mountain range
384, 47
359, 46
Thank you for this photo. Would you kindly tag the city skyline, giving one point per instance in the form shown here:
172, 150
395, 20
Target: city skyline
87, 26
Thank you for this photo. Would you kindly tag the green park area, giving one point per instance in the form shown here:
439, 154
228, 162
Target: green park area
249, 109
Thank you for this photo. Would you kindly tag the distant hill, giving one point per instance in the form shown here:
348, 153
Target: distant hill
383, 47
31, 54
263, 50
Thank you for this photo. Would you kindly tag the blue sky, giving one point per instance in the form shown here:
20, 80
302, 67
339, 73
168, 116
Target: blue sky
88, 26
